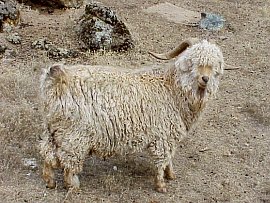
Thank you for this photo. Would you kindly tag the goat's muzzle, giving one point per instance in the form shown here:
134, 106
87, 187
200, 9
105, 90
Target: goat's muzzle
203, 80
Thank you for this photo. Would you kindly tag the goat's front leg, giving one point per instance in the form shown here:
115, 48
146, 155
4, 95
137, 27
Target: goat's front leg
48, 175
162, 153
71, 180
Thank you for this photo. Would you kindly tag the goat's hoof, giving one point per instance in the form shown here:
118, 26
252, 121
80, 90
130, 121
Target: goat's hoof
70, 187
170, 176
74, 189
51, 185
161, 189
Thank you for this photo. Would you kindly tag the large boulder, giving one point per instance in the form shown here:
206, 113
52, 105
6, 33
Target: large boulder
9, 13
100, 28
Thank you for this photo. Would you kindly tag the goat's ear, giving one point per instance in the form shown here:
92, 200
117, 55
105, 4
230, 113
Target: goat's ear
221, 66
56, 71
183, 64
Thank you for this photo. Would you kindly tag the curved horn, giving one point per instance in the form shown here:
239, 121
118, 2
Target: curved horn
177, 50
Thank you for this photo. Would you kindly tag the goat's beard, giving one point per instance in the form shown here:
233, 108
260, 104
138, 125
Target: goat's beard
189, 84
197, 94
201, 92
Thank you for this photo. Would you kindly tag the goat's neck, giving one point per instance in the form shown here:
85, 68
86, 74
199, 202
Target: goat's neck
190, 103
191, 106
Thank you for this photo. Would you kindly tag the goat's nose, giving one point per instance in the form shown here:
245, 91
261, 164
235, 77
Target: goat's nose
205, 78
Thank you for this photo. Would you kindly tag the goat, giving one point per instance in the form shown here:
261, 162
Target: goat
121, 112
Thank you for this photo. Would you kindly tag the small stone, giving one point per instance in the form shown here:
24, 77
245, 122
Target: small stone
10, 53
227, 153
59, 53
14, 38
30, 162
43, 44
2, 48
212, 22
7, 28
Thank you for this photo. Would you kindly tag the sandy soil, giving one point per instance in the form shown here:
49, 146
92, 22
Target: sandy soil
225, 159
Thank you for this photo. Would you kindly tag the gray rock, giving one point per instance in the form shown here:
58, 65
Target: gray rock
212, 22
9, 13
59, 53
2, 48
30, 162
53, 51
43, 44
10, 53
14, 38
100, 28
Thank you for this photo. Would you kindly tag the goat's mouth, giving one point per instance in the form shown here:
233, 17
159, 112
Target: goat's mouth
201, 91
202, 85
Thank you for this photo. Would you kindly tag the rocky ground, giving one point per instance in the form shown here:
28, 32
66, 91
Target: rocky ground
225, 159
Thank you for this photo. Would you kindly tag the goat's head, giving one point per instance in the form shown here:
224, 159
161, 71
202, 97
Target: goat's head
198, 66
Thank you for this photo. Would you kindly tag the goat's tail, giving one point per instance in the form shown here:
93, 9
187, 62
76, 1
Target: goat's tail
53, 78
57, 73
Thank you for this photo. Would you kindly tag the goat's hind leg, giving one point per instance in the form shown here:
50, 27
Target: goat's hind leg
48, 175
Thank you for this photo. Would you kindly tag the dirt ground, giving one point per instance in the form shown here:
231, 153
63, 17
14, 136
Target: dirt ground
225, 159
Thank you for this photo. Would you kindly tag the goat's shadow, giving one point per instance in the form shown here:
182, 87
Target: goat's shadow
115, 173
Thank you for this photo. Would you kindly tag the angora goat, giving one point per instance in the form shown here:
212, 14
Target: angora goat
112, 112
